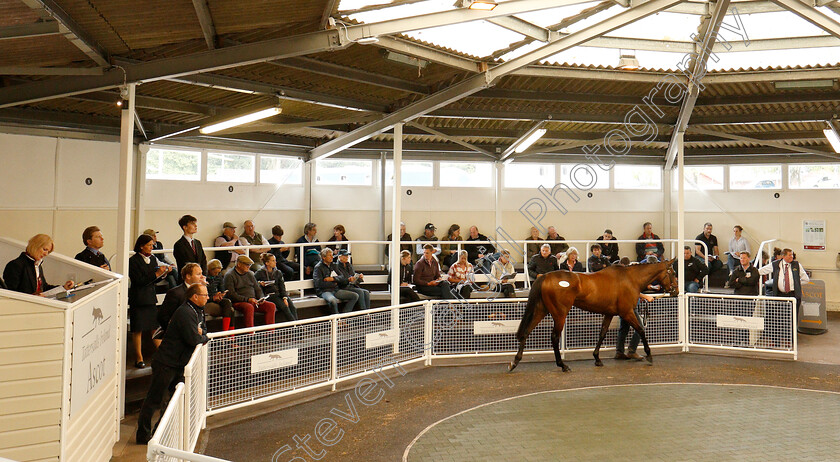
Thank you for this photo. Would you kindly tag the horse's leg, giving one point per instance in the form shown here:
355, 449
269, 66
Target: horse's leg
539, 314
637, 326
559, 315
604, 328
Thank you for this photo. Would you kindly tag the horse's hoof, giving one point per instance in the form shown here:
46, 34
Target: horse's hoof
511, 366
599, 363
649, 359
566, 368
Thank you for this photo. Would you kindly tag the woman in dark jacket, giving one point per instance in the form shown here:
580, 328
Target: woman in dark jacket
273, 285
338, 236
143, 272
406, 276
572, 263
25, 274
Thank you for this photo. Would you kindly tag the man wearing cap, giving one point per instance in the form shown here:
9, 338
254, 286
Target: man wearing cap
92, 255
245, 293
345, 269
252, 237
228, 239
328, 283
427, 237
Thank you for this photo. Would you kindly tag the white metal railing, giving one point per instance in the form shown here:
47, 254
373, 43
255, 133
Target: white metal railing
249, 366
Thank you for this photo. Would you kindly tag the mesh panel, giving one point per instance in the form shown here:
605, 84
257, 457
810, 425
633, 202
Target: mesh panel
742, 323
230, 379
661, 325
169, 431
367, 341
196, 375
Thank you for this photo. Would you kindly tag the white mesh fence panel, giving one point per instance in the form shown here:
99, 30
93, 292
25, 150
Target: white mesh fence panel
253, 365
170, 430
195, 374
750, 323
661, 325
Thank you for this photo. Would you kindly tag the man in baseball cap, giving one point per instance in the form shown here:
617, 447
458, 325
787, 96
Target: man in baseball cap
427, 237
228, 239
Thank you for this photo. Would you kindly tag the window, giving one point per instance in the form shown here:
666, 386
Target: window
637, 177
524, 175
412, 173
703, 178
235, 168
169, 164
755, 177
466, 174
281, 170
344, 172
814, 176
584, 176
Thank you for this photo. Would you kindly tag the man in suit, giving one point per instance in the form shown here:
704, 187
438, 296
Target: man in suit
92, 254
175, 297
189, 249
788, 276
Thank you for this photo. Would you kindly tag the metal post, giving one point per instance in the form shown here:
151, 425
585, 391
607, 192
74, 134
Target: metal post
396, 212
683, 300
667, 184
382, 183
500, 173
427, 332
333, 351
123, 238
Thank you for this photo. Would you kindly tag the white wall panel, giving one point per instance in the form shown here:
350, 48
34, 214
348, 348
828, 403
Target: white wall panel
28, 171
79, 160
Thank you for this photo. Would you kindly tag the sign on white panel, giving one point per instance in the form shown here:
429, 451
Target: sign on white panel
813, 234
94, 348
495, 327
274, 360
385, 337
740, 322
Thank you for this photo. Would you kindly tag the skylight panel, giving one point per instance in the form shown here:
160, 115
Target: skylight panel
402, 11
478, 38
660, 26
554, 16
779, 24
776, 58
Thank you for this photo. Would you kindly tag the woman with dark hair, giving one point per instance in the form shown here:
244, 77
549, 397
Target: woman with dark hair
143, 272
270, 278
24, 273
290, 269
338, 236
449, 252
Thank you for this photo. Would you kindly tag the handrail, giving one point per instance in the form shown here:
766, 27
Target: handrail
757, 261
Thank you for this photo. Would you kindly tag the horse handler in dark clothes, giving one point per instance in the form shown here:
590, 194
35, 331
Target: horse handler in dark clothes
186, 330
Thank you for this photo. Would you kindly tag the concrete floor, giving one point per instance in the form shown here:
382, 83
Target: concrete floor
425, 396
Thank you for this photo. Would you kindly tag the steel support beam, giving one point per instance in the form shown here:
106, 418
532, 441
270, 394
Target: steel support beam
23, 70
812, 15
429, 54
818, 41
71, 30
328, 12
453, 139
353, 74
37, 29
510, 150
773, 144
202, 10
487, 78
520, 26
708, 37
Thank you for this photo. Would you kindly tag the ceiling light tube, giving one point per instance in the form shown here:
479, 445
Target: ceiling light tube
527, 142
485, 5
833, 137
241, 120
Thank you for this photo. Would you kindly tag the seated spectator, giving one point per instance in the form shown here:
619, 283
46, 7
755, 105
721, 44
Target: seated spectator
654, 247
533, 249
609, 250
290, 269
737, 244
406, 278
428, 236
543, 262
308, 255
143, 273
449, 252
175, 297
188, 249
502, 275
625, 261
252, 237
476, 252
427, 275
695, 270
745, 278
345, 269
229, 238
461, 275
713, 259
556, 249
572, 263
404, 236
597, 262
218, 305
24, 273
339, 237
173, 276
271, 280
245, 293
328, 284
92, 255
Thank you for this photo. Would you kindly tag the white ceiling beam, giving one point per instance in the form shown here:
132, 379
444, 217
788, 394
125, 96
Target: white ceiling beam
453, 139
523, 27
37, 29
208, 29
625, 43
71, 30
697, 67
774, 144
487, 78
428, 54
812, 15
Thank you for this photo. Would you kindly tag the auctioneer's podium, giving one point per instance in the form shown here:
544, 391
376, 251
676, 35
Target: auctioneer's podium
60, 370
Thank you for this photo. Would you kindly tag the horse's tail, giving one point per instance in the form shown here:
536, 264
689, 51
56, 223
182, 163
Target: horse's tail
534, 300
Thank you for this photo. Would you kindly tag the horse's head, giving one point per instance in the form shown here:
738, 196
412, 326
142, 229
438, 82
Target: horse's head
668, 279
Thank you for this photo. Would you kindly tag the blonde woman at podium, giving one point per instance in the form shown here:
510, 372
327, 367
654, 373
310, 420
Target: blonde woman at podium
23, 274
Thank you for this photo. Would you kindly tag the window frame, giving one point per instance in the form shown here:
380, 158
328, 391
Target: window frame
614, 177
373, 174
208, 152
201, 163
440, 184
302, 168
783, 179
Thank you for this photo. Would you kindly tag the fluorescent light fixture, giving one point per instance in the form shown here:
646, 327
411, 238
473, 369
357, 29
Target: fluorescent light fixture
627, 60
367, 40
485, 5
800, 84
405, 59
527, 142
241, 120
833, 137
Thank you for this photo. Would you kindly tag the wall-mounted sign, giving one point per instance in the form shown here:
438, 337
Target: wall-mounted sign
94, 348
813, 234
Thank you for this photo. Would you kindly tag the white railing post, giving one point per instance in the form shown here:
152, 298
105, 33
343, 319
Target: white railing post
333, 351
427, 331
682, 303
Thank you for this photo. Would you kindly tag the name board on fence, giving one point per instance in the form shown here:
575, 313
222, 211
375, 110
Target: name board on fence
274, 360
94, 348
740, 322
378, 339
495, 327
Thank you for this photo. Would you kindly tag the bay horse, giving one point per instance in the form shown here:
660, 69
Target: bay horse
613, 291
